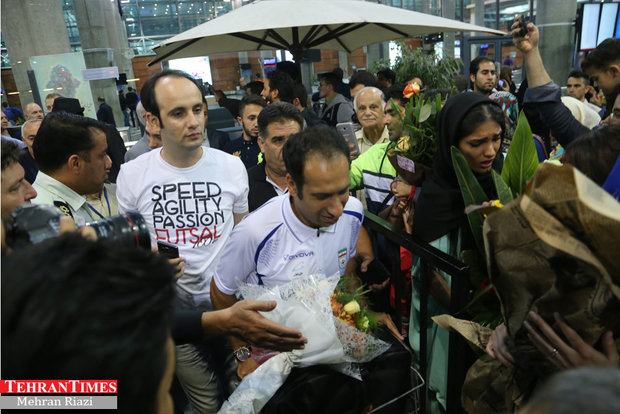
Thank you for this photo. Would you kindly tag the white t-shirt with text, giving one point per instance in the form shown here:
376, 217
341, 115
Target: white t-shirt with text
191, 208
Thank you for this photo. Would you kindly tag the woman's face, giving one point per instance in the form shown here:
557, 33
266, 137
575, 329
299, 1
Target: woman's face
481, 146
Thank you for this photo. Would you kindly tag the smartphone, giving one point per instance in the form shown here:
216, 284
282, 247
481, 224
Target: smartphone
347, 131
522, 26
167, 250
501, 83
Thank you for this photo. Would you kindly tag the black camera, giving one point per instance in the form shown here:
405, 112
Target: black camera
32, 223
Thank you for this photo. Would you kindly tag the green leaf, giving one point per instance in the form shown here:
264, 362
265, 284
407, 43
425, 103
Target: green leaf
425, 112
438, 103
503, 191
396, 109
472, 193
521, 161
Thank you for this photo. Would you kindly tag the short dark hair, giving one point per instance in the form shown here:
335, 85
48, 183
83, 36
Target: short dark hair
278, 112
254, 88
290, 68
475, 64
61, 135
605, 54
461, 82
283, 83
396, 92
595, 153
102, 312
100, 99
320, 140
251, 100
412, 77
338, 72
302, 94
578, 74
388, 74
362, 77
10, 153
330, 78
149, 100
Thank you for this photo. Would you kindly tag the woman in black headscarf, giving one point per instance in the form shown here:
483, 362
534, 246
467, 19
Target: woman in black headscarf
474, 124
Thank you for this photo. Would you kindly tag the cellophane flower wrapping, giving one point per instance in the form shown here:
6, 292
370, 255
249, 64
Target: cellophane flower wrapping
303, 304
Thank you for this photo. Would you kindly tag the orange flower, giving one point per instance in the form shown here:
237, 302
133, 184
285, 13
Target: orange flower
339, 312
411, 89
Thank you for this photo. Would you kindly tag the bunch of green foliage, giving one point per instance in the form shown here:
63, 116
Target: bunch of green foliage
418, 142
436, 73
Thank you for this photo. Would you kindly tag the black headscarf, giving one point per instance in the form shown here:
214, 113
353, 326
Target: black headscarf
440, 208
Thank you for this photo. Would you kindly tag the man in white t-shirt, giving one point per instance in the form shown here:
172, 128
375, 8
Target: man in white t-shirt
311, 230
191, 196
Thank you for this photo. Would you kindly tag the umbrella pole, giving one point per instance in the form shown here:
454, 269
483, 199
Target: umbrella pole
298, 54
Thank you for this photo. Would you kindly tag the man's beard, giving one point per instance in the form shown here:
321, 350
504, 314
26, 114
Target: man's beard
248, 133
483, 89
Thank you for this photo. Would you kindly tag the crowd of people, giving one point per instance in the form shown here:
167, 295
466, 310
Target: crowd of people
284, 200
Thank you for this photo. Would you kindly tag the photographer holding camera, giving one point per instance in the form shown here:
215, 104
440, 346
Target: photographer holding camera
15, 189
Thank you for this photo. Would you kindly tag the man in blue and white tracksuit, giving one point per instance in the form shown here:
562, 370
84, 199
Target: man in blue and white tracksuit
313, 229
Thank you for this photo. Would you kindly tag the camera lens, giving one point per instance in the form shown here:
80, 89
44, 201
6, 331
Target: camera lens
128, 230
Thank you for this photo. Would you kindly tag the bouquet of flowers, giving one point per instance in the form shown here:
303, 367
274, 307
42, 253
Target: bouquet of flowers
349, 305
414, 152
309, 305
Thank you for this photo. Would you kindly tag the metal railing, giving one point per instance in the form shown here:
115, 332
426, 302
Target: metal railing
431, 258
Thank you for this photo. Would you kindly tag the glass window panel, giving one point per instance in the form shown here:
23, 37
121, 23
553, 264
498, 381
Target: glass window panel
74, 35
130, 11
187, 24
150, 43
458, 4
137, 46
222, 7
6, 62
133, 29
490, 13
509, 9
482, 49
159, 26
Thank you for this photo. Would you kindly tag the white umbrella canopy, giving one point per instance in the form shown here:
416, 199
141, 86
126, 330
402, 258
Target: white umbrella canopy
297, 25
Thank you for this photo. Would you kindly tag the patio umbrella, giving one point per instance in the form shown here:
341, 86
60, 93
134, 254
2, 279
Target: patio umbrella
297, 25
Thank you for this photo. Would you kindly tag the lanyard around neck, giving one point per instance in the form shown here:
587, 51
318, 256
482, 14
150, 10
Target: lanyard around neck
105, 195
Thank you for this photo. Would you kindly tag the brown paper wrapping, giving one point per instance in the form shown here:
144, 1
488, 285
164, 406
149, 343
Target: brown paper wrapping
475, 334
557, 250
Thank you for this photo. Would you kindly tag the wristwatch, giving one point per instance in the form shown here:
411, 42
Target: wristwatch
244, 353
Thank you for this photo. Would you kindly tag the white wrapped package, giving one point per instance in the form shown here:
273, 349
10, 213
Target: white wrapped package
303, 304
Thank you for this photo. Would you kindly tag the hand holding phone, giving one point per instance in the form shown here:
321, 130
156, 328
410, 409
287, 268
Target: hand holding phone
348, 133
522, 26
167, 250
